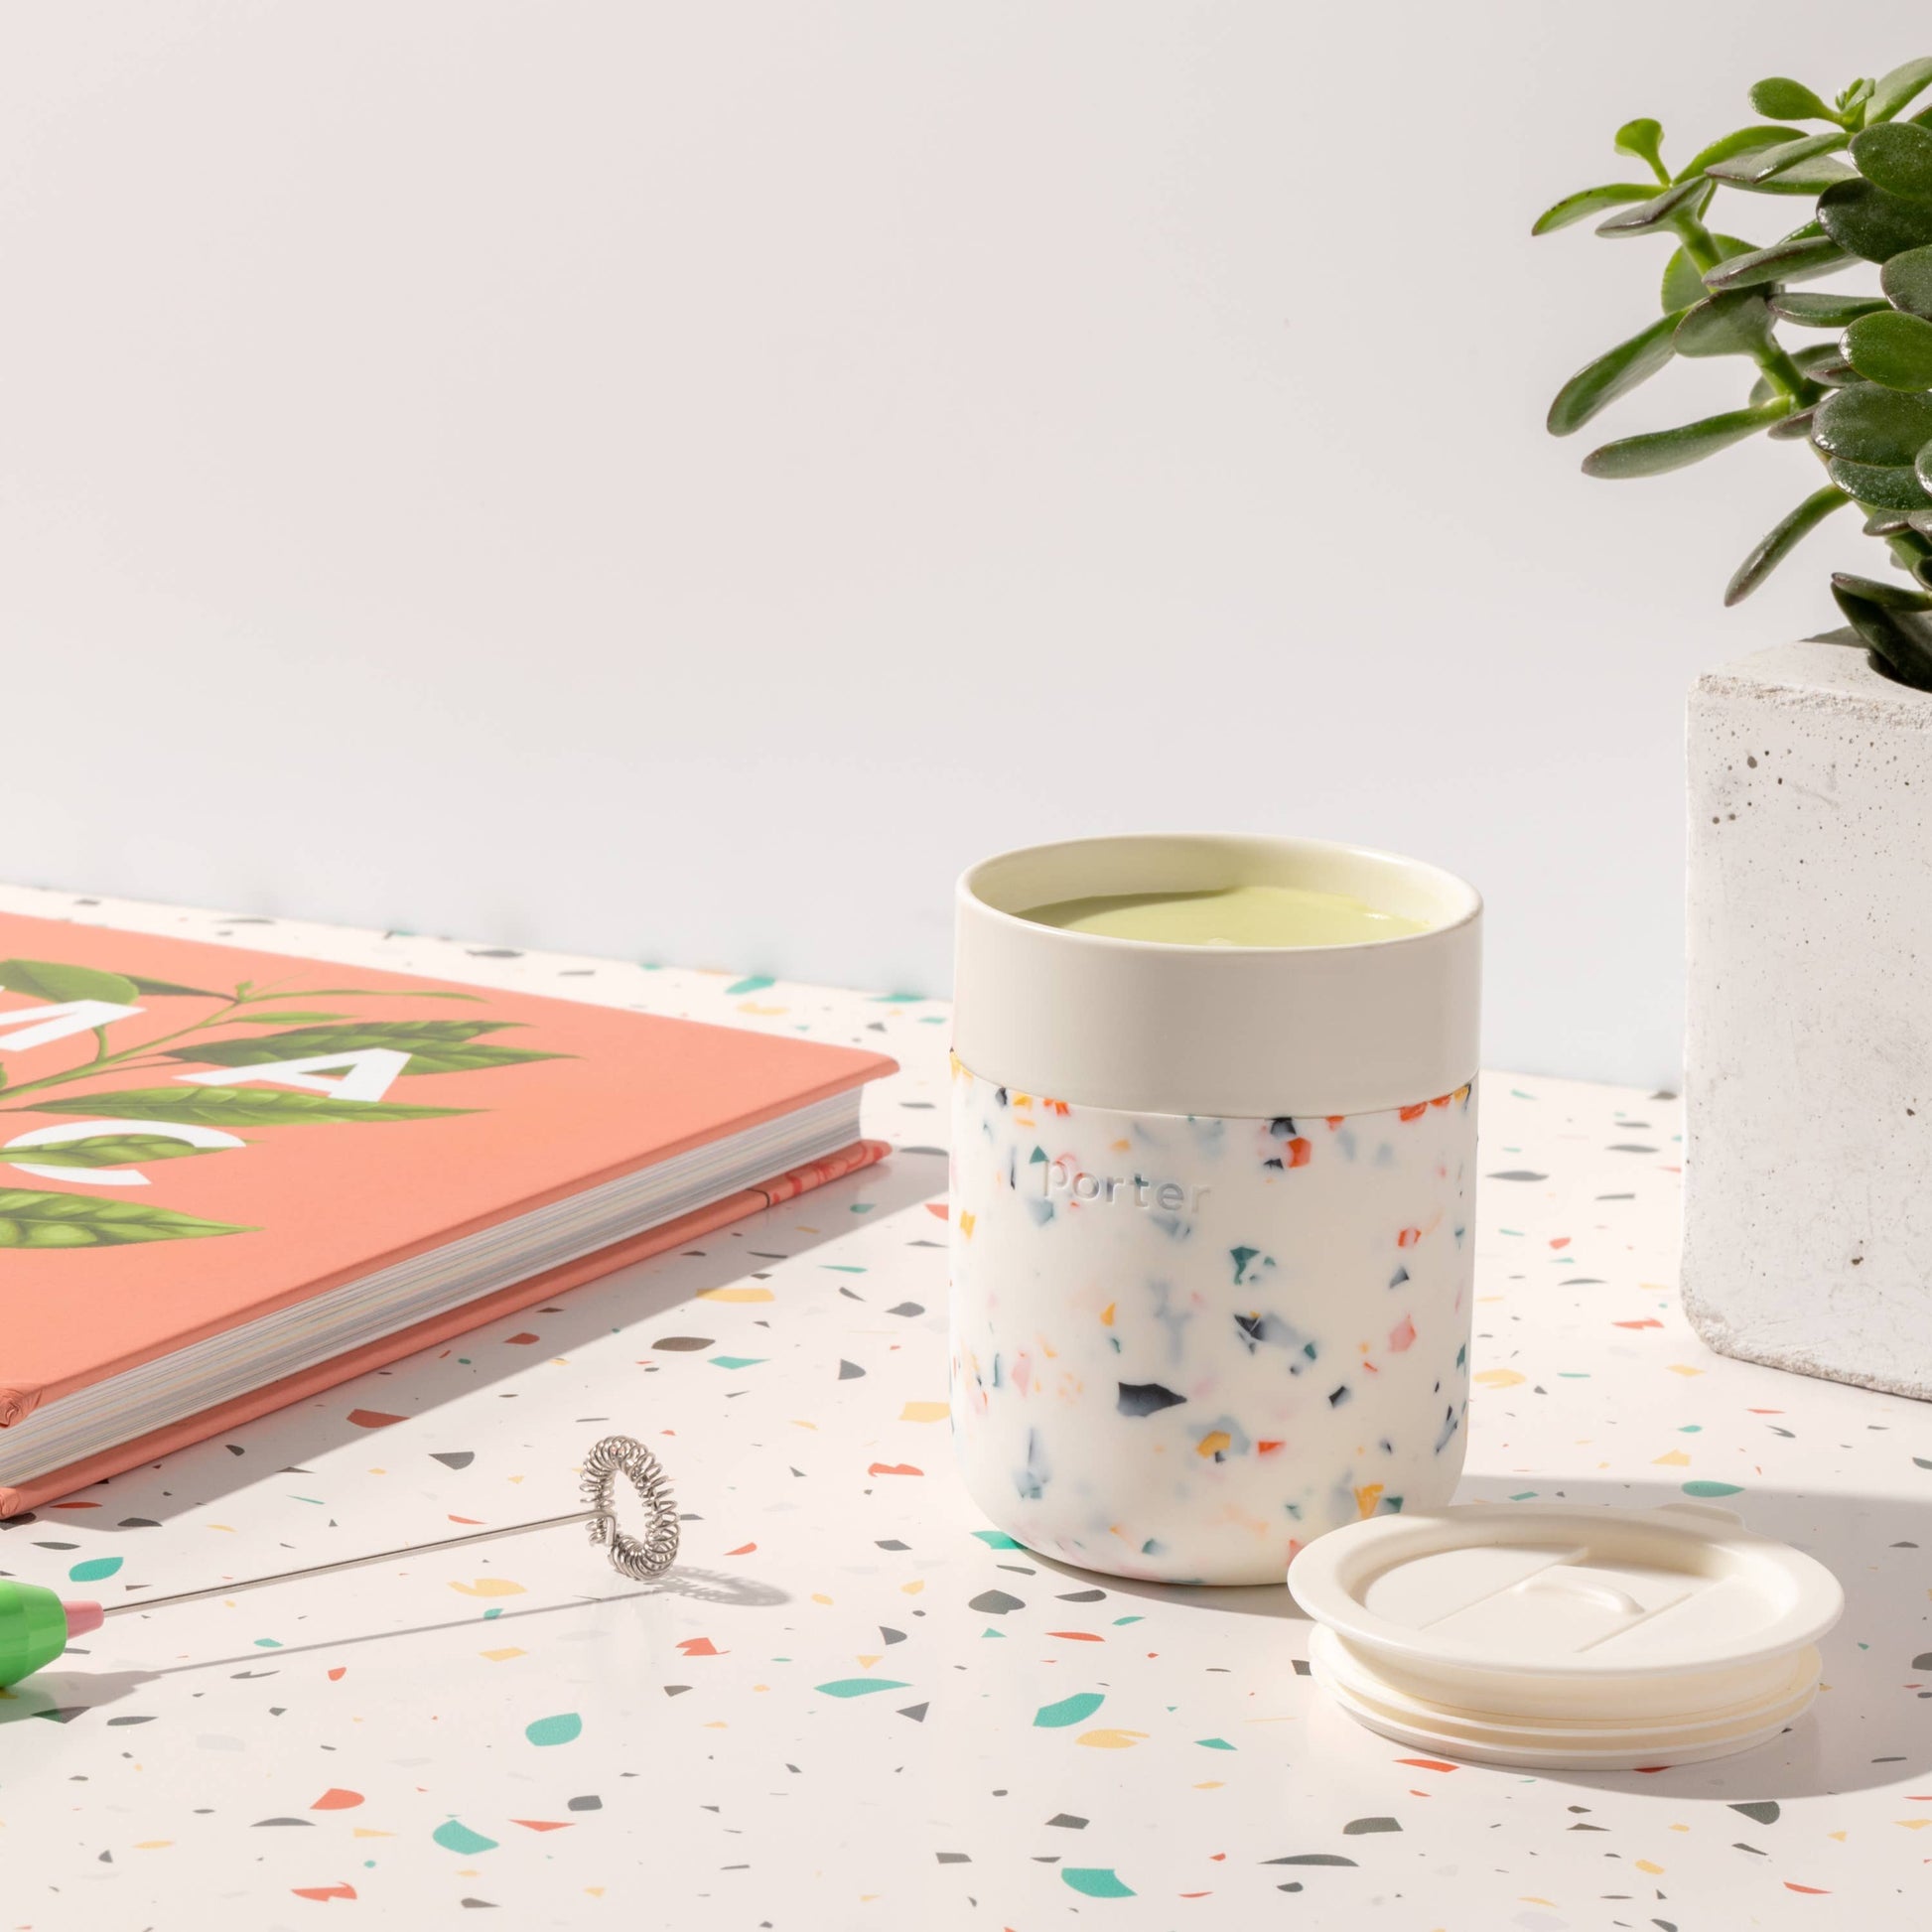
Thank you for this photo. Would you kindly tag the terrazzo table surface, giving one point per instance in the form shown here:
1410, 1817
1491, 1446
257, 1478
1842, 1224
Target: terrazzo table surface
851, 1703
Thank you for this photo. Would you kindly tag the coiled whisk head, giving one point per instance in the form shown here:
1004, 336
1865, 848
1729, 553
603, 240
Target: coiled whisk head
656, 1550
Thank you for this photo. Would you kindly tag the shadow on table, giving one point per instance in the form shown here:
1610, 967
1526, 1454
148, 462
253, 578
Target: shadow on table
61, 1695
1259, 1599
635, 1297
701, 1586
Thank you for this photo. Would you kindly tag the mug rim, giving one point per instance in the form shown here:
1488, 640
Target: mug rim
1243, 1032
1452, 884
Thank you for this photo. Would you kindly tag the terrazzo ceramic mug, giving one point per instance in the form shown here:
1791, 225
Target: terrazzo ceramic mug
1211, 1205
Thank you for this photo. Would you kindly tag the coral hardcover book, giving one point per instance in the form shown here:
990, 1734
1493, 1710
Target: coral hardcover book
230, 1178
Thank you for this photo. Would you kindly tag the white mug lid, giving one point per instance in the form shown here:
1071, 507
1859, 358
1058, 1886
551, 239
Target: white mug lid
1548, 1628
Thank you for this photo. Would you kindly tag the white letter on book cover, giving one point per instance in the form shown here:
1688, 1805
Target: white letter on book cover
41, 1026
370, 1075
81, 1130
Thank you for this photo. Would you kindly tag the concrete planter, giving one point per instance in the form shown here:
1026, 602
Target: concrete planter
1808, 1202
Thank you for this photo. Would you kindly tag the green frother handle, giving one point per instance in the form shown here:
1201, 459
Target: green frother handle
34, 1628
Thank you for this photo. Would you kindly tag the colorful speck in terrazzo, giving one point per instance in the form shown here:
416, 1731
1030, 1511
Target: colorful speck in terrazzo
454, 1836
1068, 1711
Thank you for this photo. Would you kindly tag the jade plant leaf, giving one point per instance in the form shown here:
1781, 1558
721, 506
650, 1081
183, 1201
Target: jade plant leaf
1737, 322
1783, 537
1865, 221
52, 979
1802, 176
1643, 139
1898, 156
1863, 400
1797, 258
1911, 525
1684, 198
1898, 88
106, 1151
1752, 166
1683, 280
1887, 597
1591, 200
1889, 347
1744, 141
1789, 100
1881, 485
1674, 448
1821, 359
1805, 167
1889, 523
231, 1106
1870, 424
29, 1219
1824, 310
1896, 625
1613, 375
1907, 281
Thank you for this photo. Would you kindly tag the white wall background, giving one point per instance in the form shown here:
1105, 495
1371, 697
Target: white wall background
678, 481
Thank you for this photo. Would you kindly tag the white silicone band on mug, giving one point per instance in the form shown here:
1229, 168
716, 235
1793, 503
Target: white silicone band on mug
1183, 1345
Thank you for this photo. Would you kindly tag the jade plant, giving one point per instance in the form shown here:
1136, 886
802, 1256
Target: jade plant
1863, 400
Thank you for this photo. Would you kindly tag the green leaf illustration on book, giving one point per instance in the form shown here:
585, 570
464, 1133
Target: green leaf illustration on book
433, 1045
49, 979
302, 1034
234, 1106
29, 1219
381, 993
106, 1151
288, 1018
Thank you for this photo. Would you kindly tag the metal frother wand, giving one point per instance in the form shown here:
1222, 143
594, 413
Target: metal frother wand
36, 1625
